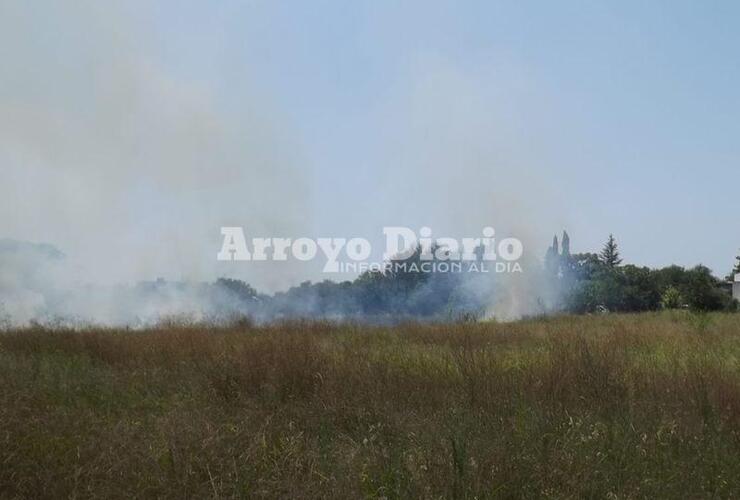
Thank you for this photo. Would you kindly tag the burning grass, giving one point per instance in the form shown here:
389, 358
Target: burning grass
613, 406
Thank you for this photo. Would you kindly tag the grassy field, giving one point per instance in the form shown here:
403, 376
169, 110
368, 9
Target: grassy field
643, 406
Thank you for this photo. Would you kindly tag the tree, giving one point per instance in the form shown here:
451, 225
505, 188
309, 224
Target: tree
640, 291
610, 254
243, 291
703, 293
735, 270
671, 298
586, 266
566, 244
552, 257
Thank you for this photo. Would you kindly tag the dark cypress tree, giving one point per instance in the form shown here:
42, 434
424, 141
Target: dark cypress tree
735, 270
552, 257
567, 262
610, 254
565, 245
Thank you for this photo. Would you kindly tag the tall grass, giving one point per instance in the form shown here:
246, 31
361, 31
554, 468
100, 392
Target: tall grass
640, 406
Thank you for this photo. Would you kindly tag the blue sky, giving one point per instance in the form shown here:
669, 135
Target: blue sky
595, 117
632, 106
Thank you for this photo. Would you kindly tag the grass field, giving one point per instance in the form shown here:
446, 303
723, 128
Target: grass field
641, 406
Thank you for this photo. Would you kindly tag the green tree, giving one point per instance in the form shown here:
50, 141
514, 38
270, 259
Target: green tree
243, 291
552, 266
640, 291
703, 291
735, 270
671, 298
610, 254
566, 244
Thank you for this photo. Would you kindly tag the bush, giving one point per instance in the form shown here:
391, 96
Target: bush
672, 298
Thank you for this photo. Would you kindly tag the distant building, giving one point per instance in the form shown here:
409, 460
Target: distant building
736, 287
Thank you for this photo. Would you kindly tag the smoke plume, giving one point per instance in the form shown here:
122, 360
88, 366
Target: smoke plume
130, 166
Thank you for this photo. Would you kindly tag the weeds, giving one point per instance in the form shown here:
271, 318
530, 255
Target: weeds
613, 406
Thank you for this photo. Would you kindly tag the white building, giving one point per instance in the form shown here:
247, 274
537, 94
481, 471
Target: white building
736, 287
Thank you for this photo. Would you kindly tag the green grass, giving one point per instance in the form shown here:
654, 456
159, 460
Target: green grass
617, 406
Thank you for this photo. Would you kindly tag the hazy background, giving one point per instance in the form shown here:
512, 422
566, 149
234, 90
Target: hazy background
131, 131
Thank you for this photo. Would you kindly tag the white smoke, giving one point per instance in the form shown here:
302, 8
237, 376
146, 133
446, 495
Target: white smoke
131, 167
126, 166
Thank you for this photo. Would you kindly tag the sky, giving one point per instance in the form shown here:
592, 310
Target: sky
131, 131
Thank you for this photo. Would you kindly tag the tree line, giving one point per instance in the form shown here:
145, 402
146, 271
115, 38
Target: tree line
593, 282
566, 282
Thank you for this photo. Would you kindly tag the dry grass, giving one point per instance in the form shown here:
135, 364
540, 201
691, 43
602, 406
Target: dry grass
607, 407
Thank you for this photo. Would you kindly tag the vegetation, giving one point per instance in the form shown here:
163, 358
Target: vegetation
588, 282
403, 291
735, 269
615, 406
572, 283
610, 254
407, 289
